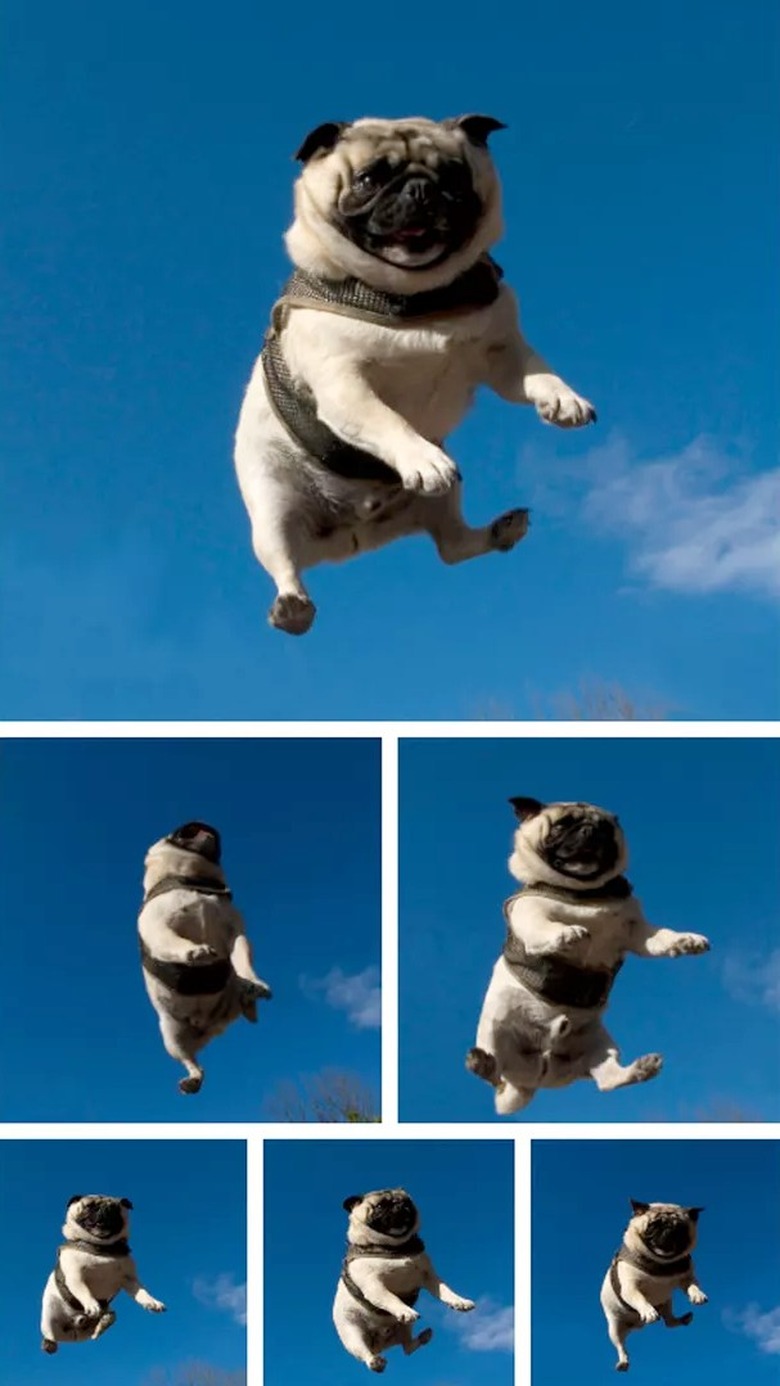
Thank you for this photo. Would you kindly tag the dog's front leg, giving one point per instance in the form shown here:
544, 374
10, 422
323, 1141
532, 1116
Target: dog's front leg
436, 1286
351, 409
171, 947
649, 942
693, 1290
133, 1287
517, 373
241, 958
379, 1295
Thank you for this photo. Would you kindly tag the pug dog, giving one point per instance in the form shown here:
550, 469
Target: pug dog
569, 929
653, 1261
384, 1270
93, 1264
196, 958
395, 315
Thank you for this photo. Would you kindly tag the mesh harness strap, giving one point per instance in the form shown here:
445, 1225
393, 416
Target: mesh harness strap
551, 977
188, 979
649, 1265
294, 403
413, 1247
114, 1252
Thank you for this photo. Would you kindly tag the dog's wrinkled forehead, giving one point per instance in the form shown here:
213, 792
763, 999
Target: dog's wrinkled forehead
414, 139
199, 838
540, 821
100, 1215
649, 1216
379, 1200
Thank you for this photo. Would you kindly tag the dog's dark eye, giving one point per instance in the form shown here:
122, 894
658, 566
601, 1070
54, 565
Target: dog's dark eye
372, 177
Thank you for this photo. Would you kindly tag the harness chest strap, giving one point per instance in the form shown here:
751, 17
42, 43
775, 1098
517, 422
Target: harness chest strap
413, 1247
116, 1251
551, 977
648, 1265
294, 404
188, 979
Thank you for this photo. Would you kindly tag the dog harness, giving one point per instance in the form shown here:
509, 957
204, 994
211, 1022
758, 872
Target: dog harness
648, 1265
413, 1247
293, 402
188, 979
115, 1251
551, 977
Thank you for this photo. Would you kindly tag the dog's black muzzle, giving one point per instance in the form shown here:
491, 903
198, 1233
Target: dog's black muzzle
589, 843
102, 1219
393, 1216
670, 1237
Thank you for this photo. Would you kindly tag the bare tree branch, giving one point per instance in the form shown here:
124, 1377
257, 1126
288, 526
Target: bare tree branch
330, 1096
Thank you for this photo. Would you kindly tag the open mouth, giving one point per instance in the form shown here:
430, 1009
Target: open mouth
393, 1219
667, 1239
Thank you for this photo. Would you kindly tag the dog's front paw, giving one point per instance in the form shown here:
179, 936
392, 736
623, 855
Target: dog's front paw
696, 1296
686, 944
407, 1315
256, 991
508, 530
482, 1064
428, 470
376, 1364
557, 404
201, 952
568, 937
648, 1314
92, 1310
155, 1306
292, 613
462, 1305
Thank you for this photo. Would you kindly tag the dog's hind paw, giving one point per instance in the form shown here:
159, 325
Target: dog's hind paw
48, 1345
508, 530
376, 1364
292, 613
647, 1067
621, 1366
188, 1085
483, 1065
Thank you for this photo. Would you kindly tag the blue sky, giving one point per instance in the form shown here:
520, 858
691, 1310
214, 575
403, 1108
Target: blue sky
581, 1192
190, 1251
464, 1190
147, 188
300, 846
702, 820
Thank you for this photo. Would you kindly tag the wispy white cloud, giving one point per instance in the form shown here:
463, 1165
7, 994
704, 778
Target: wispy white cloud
222, 1293
359, 995
762, 1327
488, 1328
754, 979
699, 520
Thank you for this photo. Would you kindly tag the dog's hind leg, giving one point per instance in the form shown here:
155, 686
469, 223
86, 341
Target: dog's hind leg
670, 1318
277, 543
106, 1321
354, 1342
604, 1066
618, 1331
411, 1344
511, 1099
456, 541
175, 1045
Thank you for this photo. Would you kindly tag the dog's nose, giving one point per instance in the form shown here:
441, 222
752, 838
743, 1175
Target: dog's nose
420, 191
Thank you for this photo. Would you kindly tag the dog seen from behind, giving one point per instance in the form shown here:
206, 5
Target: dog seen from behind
196, 958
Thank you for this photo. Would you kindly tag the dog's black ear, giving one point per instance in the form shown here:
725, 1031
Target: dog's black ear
638, 1207
693, 1213
324, 137
125, 1203
477, 128
352, 1202
526, 808
75, 1199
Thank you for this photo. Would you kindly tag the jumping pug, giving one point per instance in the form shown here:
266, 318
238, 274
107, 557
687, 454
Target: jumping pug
395, 315
93, 1264
653, 1261
385, 1268
197, 962
568, 931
